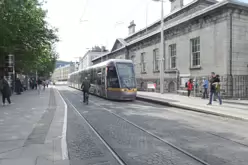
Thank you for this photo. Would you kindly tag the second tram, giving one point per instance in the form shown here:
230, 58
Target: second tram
113, 79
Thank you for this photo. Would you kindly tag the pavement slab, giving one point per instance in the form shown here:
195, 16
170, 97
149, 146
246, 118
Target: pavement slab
29, 129
229, 109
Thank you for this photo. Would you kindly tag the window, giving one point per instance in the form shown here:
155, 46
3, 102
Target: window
173, 53
142, 62
112, 78
195, 52
156, 60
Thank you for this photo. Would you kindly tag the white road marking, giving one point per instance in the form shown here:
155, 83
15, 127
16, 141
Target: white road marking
63, 139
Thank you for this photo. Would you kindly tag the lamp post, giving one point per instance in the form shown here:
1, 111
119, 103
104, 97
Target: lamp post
162, 48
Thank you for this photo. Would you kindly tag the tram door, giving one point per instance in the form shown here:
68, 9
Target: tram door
112, 81
103, 82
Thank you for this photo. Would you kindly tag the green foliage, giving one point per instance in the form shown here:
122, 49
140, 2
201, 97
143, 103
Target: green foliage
25, 33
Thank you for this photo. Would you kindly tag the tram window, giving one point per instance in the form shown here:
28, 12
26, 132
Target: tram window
112, 78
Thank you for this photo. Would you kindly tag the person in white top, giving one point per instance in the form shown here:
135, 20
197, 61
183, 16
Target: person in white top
47, 83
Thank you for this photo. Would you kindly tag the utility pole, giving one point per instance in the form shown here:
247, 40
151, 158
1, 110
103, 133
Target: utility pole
162, 50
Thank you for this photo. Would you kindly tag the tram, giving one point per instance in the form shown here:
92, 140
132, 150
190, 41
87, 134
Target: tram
112, 79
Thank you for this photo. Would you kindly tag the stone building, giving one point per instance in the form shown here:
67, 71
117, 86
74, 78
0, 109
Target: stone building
202, 37
62, 73
86, 60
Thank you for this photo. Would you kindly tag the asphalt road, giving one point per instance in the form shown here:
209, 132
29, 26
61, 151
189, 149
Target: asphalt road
139, 133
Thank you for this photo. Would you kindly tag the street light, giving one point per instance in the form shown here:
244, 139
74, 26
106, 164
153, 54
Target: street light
162, 48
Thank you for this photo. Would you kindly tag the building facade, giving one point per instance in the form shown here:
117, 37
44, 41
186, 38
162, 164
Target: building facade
202, 37
86, 60
62, 73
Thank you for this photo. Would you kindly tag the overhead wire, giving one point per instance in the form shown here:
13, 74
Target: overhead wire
84, 10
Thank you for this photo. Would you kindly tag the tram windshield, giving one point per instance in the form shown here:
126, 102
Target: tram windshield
126, 75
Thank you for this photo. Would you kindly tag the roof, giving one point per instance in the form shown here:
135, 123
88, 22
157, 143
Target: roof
189, 17
170, 14
122, 41
180, 21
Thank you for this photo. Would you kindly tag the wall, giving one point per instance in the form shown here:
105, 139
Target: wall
240, 44
240, 53
213, 48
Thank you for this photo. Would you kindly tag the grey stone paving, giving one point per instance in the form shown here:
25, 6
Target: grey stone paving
40, 130
84, 146
133, 145
213, 139
27, 133
217, 140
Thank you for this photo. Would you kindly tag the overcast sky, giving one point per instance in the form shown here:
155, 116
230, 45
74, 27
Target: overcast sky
102, 22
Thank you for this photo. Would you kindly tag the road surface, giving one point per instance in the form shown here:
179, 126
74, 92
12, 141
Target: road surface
139, 133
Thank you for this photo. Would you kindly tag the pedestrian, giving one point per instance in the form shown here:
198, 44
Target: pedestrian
5, 90
217, 92
205, 88
47, 83
18, 86
190, 86
35, 84
39, 82
214, 82
85, 87
44, 84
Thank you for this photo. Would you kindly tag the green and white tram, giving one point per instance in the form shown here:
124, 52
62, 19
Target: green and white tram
113, 79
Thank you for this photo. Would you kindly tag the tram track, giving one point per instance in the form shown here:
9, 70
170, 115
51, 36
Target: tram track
113, 152
210, 133
109, 107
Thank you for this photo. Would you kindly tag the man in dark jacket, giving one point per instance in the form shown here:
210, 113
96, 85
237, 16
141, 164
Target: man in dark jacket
5, 90
85, 87
18, 86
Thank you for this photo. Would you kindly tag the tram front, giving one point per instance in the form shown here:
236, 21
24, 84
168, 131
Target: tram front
125, 81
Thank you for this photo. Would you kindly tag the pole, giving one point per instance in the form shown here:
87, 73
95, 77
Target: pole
14, 74
176, 80
36, 75
162, 51
195, 87
146, 16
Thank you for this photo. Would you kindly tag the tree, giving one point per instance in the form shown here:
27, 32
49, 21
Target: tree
26, 34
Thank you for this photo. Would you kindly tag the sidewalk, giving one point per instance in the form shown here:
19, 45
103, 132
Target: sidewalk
31, 130
232, 109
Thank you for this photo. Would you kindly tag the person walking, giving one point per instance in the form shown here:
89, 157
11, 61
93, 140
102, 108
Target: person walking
39, 82
18, 86
205, 88
217, 92
5, 90
47, 83
190, 86
214, 82
44, 84
85, 87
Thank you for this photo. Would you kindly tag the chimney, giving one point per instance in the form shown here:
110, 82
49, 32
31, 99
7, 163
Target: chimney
176, 4
131, 28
